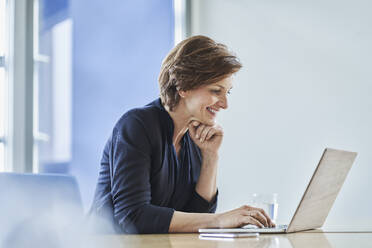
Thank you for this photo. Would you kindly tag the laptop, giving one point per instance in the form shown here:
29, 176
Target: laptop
316, 202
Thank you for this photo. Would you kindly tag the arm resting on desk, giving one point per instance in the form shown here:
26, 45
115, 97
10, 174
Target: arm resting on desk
191, 222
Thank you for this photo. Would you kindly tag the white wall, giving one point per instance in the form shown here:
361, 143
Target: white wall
306, 85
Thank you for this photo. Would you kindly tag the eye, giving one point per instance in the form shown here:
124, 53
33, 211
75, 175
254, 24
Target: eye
216, 91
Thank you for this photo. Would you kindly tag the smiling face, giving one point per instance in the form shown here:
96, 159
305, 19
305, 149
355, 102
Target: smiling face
204, 103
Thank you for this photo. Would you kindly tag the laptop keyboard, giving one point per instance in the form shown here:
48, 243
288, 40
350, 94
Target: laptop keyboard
281, 227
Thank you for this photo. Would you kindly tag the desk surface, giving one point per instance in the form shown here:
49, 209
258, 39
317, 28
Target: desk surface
294, 240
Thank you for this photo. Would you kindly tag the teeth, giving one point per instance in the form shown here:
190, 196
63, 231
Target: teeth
212, 110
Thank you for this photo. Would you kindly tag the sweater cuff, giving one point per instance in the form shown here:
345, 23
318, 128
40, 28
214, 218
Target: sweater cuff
203, 205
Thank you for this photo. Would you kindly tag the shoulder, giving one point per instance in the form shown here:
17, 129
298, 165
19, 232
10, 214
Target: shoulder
147, 119
139, 116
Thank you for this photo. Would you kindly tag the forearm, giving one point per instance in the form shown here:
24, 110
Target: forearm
206, 186
191, 222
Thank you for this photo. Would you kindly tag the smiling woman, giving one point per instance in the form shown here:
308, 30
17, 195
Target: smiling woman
205, 101
194, 62
159, 167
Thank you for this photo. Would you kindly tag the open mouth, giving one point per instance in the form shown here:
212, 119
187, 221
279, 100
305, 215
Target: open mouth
212, 111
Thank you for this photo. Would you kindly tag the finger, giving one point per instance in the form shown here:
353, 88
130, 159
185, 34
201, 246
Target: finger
193, 125
270, 222
253, 221
260, 217
204, 133
218, 130
247, 207
210, 134
199, 130
192, 130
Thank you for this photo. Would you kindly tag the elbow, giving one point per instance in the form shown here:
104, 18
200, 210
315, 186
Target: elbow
137, 227
131, 224
141, 221
129, 227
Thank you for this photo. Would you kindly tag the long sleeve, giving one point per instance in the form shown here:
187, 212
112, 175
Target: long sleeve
130, 160
198, 204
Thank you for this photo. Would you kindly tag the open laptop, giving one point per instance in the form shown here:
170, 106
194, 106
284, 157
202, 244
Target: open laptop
316, 202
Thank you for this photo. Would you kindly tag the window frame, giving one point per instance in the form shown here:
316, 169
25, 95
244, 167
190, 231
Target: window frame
18, 64
182, 20
2, 66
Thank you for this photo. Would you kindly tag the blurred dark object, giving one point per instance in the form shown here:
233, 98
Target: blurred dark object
39, 209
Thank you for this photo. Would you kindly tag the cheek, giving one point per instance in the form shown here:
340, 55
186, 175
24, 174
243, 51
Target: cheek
201, 101
205, 102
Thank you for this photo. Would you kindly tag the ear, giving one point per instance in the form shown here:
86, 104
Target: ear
182, 93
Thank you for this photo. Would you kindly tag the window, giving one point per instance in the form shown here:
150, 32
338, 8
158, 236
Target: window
52, 86
35, 84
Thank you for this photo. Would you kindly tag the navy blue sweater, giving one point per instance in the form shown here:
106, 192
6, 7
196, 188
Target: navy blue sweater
141, 180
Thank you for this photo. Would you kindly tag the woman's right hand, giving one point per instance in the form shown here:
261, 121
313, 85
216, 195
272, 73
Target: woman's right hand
242, 216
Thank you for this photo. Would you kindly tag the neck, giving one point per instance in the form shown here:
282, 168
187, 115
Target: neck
181, 119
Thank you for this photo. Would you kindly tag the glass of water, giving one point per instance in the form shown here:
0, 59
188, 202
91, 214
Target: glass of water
268, 202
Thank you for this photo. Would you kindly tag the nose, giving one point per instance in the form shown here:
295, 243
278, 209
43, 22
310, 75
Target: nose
223, 102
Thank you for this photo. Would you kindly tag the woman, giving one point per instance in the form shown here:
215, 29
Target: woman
159, 167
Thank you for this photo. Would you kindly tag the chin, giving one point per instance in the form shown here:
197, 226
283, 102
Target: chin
207, 119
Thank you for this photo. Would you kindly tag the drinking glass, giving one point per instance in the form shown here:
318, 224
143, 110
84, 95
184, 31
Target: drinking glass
268, 202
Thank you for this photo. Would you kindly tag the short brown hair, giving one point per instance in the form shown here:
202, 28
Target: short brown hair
194, 62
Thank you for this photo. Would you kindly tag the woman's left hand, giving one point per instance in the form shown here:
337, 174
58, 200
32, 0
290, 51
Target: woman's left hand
207, 138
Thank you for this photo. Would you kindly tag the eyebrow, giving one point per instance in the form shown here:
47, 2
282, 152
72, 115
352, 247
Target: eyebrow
222, 86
